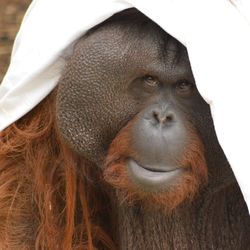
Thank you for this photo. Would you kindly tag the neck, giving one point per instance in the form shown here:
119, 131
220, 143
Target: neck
193, 226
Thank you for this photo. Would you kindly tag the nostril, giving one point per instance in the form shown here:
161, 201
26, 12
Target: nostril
162, 117
169, 118
156, 116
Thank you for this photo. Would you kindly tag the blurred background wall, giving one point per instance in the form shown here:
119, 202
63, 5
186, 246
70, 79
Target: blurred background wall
11, 15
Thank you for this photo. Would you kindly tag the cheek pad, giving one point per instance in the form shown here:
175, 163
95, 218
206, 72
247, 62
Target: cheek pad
87, 126
92, 103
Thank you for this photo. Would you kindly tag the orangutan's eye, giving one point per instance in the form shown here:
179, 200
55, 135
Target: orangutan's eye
150, 83
184, 87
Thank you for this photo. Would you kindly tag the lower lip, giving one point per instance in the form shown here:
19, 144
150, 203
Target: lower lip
146, 177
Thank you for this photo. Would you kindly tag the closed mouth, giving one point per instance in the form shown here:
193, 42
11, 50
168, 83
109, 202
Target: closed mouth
153, 176
157, 169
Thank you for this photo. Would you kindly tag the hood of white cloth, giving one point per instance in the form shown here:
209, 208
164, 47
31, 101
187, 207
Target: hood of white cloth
215, 32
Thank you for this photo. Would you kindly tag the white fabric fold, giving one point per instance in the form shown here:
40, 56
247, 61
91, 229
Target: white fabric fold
215, 32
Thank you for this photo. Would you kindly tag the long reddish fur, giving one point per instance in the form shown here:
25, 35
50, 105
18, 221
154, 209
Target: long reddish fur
45, 200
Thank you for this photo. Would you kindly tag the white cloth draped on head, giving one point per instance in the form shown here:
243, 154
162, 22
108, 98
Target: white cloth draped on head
215, 32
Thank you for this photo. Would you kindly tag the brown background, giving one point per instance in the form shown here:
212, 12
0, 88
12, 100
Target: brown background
11, 14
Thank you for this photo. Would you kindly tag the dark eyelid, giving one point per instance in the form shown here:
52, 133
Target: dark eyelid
185, 82
150, 79
184, 87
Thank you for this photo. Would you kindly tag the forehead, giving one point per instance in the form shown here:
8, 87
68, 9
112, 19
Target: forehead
135, 42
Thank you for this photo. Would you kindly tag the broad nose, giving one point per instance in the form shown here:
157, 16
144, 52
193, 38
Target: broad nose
162, 117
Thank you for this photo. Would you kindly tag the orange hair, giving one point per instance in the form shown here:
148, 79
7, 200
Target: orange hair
46, 200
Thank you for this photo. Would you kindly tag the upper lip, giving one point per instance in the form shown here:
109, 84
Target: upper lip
158, 168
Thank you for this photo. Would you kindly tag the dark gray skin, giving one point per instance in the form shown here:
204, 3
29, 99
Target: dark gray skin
129, 66
154, 82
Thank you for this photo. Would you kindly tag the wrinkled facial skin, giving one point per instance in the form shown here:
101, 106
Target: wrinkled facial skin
125, 69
